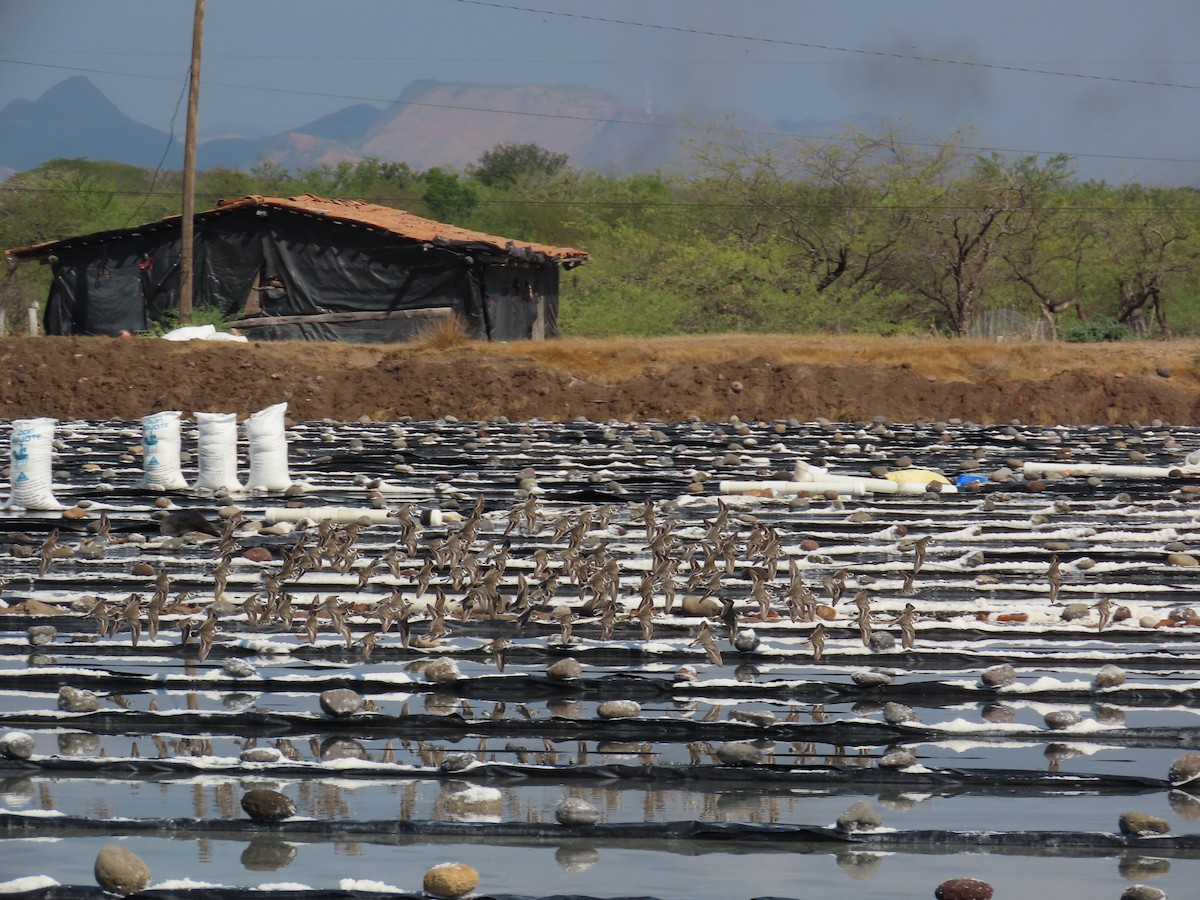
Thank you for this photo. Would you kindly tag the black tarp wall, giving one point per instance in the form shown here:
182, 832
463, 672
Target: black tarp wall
325, 267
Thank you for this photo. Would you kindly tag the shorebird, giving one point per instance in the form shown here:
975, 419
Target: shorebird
817, 641
1054, 576
906, 621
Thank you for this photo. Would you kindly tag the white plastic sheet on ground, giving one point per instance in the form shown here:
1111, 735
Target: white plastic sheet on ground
201, 333
30, 454
268, 450
161, 444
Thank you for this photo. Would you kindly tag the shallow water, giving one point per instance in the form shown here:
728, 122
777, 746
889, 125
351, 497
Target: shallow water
988, 557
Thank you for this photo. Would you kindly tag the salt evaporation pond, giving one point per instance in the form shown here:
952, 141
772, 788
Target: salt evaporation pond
558, 538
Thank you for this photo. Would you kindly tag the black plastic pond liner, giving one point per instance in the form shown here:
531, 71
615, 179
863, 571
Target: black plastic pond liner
858, 733
531, 687
67, 892
945, 780
397, 831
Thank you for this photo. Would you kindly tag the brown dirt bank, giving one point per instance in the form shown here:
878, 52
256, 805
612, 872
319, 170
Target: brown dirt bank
754, 377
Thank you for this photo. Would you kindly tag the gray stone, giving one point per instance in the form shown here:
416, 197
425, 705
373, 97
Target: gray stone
449, 880
998, 676
870, 679
1073, 611
76, 700
746, 640
261, 755
458, 762
121, 871
1184, 769
1143, 892
1108, 676
16, 745
41, 635
1138, 824
895, 713
762, 717
897, 759
861, 816
963, 889
1058, 719
564, 669
236, 667
575, 812
442, 670
266, 805
340, 703
881, 641
619, 709
739, 753
1181, 559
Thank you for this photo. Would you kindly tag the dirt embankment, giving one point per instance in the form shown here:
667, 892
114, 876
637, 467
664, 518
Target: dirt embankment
752, 377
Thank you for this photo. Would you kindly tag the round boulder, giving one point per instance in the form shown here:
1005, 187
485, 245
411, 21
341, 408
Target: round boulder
1184, 770
998, 676
963, 889
442, 670
236, 667
861, 816
1143, 892
897, 759
871, 679
575, 812
739, 753
450, 880
41, 635
16, 745
76, 700
565, 669
121, 871
266, 805
619, 709
895, 713
261, 755
1136, 824
458, 762
340, 703
1058, 719
1108, 676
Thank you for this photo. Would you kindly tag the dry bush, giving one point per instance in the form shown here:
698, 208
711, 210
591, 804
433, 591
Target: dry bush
442, 333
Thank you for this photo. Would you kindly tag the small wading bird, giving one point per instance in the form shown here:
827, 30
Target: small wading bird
1054, 576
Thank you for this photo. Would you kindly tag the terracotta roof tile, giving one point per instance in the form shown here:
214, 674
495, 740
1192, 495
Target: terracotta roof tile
359, 212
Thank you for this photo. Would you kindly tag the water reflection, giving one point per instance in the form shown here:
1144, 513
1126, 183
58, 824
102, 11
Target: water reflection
861, 866
267, 853
1143, 868
576, 858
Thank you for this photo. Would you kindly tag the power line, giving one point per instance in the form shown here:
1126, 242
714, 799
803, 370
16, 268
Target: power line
680, 29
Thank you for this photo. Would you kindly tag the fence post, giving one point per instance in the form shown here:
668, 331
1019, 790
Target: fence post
3, 316
33, 321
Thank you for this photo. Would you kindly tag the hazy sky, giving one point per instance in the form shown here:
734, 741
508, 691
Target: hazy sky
1114, 83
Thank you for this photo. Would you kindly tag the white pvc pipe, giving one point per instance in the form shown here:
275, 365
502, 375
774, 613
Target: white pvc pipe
1069, 469
340, 514
850, 487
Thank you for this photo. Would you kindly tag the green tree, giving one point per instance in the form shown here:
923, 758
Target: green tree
448, 197
508, 164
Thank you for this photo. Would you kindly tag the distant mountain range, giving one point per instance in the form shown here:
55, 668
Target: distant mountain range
430, 124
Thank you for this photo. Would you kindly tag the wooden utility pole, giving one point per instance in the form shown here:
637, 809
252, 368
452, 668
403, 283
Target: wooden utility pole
187, 235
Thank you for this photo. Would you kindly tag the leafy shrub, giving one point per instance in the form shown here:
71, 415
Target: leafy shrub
1094, 331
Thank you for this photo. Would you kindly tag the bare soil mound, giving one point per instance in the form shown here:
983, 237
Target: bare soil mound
764, 377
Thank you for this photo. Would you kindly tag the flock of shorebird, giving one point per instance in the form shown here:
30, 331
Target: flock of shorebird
728, 576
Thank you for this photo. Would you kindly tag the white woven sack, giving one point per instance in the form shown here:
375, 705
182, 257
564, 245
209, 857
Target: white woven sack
216, 452
31, 472
160, 452
268, 450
